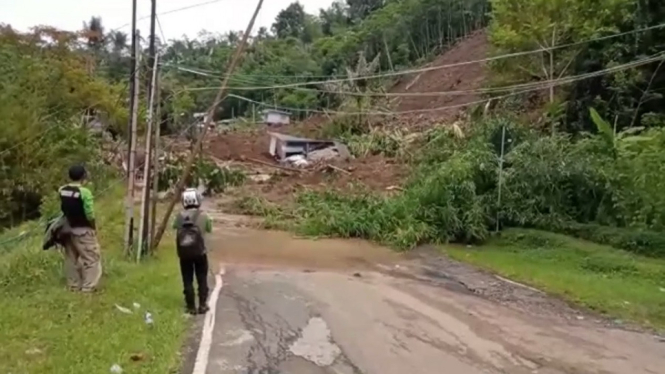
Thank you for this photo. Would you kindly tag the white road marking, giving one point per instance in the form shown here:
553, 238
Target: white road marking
201, 363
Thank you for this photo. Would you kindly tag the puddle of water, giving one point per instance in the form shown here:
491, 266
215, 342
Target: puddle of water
235, 245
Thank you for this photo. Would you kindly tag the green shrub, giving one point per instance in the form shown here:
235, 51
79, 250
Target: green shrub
442, 203
644, 242
546, 182
214, 178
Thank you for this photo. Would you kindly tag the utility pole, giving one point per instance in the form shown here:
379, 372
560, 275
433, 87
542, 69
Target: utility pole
155, 169
129, 202
144, 224
132, 73
180, 186
151, 47
145, 200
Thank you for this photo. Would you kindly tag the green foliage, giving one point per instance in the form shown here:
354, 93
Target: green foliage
256, 206
215, 179
306, 48
643, 242
46, 96
28, 346
628, 97
546, 181
616, 283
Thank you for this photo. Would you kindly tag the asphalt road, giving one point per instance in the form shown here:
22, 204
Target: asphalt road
373, 312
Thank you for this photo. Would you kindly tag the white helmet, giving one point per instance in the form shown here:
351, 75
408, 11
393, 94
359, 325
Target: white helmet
191, 198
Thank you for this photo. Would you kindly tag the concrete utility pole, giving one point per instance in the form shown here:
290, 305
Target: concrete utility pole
180, 186
132, 88
155, 168
144, 237
132, 72
144, 224
151, 46
129, 202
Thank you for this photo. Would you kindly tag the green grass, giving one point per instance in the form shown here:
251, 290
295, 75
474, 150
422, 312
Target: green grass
46, 329
607, 280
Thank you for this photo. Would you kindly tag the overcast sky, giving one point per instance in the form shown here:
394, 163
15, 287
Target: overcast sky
218, 16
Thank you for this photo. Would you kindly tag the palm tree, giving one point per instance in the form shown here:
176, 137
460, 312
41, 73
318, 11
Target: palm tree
93, 31
118, 40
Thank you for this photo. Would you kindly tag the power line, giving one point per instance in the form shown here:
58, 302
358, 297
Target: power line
525, 89
212, 74
171, 11
542, 84
161, 31
440, 67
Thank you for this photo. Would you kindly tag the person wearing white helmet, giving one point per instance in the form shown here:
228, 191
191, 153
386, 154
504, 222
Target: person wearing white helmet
192, 224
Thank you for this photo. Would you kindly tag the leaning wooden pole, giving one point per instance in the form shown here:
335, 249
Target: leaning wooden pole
180, 186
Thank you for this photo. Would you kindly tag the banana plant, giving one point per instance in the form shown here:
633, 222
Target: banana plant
617, 141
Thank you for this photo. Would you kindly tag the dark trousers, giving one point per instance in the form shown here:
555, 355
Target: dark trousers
190, 267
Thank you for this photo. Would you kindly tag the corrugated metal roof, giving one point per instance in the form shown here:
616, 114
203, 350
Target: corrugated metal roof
290, 138
276, 111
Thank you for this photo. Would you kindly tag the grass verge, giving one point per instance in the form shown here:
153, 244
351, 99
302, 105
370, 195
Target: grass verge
46, 329
607, 280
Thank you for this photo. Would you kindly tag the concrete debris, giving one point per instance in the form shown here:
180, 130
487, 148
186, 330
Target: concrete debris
323, 154
260, 178
301, 152
297, 160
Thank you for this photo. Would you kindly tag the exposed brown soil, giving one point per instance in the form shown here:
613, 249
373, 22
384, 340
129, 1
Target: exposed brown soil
239, 145
455, 78
244, 149
377, 173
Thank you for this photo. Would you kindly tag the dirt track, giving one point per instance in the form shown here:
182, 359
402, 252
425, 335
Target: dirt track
334, 306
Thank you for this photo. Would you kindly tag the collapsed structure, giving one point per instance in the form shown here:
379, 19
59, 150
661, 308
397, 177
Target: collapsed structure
303, 151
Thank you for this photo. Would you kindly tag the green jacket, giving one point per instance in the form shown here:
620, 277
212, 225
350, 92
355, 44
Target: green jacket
86, 198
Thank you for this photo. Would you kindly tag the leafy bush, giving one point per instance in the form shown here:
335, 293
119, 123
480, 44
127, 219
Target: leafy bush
47, 95
443, 202
647, 243
546, 182
215, 179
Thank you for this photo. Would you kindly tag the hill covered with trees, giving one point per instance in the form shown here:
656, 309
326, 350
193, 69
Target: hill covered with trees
572, 54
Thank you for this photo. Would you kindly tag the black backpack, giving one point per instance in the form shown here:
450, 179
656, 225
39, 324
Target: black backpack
189, 240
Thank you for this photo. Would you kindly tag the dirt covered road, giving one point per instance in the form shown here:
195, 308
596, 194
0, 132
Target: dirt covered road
300, 306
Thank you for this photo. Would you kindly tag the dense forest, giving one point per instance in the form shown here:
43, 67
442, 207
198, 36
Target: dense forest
52, 81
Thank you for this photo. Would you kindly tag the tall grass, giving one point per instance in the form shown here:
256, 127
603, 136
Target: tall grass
47, 329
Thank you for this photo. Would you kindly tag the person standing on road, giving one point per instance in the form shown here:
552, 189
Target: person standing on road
192, 224
83, 267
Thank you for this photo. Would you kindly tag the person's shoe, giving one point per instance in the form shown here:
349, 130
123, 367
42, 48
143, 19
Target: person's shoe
203, 309
190, 310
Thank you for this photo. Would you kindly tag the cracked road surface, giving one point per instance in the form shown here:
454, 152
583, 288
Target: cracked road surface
292, 306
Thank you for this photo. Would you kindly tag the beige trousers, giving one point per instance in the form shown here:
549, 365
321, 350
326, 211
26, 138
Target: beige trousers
83, 265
